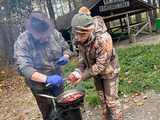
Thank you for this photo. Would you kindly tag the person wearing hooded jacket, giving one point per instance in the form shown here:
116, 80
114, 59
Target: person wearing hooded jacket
99, 60
39, 53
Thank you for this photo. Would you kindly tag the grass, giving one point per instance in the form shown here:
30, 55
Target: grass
140, 70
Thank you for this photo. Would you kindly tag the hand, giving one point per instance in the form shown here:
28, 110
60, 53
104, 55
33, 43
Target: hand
62, 60
56, 80
74, 77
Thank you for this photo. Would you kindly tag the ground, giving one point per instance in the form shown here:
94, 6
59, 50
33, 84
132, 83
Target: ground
17, 102
144, 106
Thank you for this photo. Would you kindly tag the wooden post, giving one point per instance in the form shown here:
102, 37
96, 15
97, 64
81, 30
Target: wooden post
159, 5
150, 13
128, 28
121, 22
138, 20
108, 27
149, 21
154, 11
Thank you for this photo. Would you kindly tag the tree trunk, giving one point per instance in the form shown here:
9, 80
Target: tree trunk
74, 3
51, 11
3, 31
10, 42
62, 6
70, 6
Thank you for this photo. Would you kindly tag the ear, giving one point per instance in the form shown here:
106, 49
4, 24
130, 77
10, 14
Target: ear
93, 28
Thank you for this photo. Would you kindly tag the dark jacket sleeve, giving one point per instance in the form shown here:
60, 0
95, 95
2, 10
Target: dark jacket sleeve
23, 59
62, 42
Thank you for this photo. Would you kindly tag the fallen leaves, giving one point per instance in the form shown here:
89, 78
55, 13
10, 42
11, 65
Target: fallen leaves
140, 103
130, 81
2, 72
10, 81
0, 91
145, 97
135, 94
137, 98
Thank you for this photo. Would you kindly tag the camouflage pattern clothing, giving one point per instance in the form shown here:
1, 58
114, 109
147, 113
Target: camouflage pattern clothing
99, 60
100, 26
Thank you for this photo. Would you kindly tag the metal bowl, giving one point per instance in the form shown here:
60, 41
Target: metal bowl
67, 93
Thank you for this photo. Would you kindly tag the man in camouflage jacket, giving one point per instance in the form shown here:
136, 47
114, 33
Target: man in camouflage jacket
98, 60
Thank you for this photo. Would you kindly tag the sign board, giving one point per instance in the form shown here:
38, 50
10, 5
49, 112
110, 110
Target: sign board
113, 4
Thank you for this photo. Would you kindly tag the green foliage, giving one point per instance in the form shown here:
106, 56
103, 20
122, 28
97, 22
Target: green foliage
140, 70
91, 95
69, 67
93, 100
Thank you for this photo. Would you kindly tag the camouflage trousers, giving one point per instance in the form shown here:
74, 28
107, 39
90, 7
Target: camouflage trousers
107, 90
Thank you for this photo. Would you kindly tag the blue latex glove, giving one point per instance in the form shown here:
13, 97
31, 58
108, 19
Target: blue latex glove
62, 61
56, 80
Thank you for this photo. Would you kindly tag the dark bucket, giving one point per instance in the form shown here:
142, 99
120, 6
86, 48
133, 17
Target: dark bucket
68, 110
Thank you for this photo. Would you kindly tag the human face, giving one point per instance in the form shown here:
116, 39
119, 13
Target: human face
41, 39
82, 37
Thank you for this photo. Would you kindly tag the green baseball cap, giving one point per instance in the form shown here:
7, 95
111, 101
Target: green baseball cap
82, 22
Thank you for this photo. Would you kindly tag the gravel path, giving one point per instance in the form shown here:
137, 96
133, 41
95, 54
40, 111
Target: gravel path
145, 40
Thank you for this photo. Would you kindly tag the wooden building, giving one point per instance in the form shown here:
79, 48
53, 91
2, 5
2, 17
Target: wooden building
112, 10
